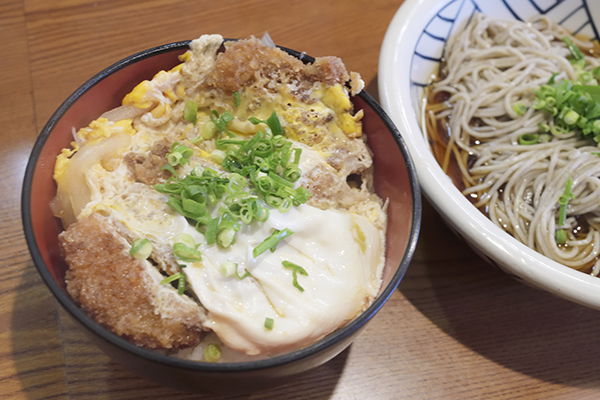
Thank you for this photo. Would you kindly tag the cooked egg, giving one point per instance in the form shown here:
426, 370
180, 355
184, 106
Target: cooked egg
340, 277
259, 305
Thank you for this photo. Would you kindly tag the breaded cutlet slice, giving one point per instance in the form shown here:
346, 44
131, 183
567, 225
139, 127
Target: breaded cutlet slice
124, 294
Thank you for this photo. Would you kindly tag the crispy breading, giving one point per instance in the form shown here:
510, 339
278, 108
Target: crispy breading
123, 293
249, 62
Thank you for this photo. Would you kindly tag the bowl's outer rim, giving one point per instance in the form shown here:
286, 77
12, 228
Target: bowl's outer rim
515, 257
112, 338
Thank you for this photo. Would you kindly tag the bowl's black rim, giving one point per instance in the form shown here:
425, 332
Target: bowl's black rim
117, 341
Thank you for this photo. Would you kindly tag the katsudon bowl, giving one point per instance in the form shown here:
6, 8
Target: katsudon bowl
395, 181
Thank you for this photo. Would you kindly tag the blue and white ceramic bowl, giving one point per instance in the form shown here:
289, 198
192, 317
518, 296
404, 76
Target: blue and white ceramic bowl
411, 53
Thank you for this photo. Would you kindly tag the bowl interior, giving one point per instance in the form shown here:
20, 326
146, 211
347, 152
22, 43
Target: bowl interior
395, 180
418, 33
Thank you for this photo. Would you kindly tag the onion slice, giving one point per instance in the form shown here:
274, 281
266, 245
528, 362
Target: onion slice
124, 112
266, 40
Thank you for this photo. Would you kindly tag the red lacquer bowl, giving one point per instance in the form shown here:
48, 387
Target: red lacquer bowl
395, 179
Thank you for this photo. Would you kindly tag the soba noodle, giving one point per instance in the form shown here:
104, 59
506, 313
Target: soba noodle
489, 67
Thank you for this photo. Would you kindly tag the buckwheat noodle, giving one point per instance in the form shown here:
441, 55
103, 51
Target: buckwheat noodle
489, 66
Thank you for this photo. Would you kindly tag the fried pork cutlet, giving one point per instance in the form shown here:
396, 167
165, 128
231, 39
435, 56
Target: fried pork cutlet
123, 293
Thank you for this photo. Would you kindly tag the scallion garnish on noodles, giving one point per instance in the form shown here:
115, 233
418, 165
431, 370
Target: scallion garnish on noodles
561, 235
270, 243
519, 108
296, 269
528, 138
575, 52
573, 105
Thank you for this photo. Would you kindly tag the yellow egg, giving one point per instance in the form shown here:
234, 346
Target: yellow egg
138, 96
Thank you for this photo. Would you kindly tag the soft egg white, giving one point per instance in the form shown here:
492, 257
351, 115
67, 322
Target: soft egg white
340, 279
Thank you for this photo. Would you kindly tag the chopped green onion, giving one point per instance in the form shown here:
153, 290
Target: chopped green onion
228, 268
169, 167
584, 77
575, 52
211, 231
261, 170
543, 127
222, 120
558, 130
180, 278
563, 200
181, 284
543, 138
571, 117
255, 121
236, 99
236, 183
212, 353
296, 269
578, 65
519, 108
575, 107
171, 278
186, 239
179, 154
226, 237
292, 174
240, 277
141, 248
183, 252
208, 130
274, 124
560, 236
269, 323
174, 158
528, 138
190, 112
271, 241
218, 156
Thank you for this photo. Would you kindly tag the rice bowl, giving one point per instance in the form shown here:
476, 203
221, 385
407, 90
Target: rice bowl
103, 92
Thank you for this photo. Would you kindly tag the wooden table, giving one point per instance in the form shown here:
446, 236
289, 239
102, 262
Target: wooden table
456, 328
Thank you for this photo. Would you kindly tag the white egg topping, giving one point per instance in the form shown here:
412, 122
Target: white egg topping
339, 279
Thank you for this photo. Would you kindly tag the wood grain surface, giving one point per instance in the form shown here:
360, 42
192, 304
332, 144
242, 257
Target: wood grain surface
456, 328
